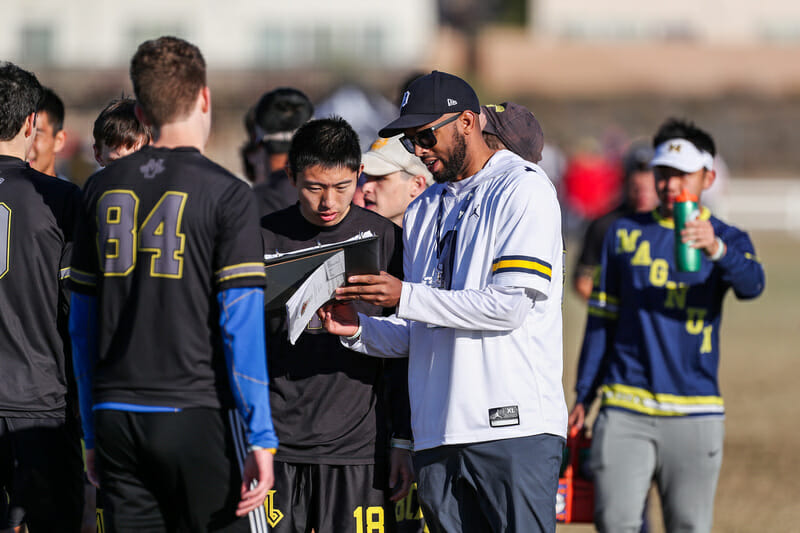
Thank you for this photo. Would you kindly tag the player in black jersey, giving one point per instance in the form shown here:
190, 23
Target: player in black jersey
40, 458
167, 321
330, 410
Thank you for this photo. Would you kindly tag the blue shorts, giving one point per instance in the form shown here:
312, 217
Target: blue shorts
501, 485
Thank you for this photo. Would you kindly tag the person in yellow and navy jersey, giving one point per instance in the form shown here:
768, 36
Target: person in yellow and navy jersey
652, 347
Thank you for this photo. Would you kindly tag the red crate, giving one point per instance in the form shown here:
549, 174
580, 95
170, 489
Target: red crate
575, 498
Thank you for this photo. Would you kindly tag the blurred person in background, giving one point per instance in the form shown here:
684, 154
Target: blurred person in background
273, 121
393, 178
50, 134
651, 347
639, 190
510, 126
590, 185
117, 132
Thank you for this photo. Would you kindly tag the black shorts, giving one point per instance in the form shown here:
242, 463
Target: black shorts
408, 513
171, 471
41, 471
330, 499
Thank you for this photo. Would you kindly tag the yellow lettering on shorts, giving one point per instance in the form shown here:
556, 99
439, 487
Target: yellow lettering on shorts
273, 514
371, 517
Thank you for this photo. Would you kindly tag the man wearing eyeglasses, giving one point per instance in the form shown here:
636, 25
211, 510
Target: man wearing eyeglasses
479, 317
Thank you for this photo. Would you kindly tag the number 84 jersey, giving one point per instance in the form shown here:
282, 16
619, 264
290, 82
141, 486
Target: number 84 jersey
162, 231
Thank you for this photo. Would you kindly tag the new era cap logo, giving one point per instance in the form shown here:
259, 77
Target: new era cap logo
405, 99
451, 102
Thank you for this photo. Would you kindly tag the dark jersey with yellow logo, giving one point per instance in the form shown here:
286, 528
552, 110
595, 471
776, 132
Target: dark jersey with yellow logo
162, 231
37, 214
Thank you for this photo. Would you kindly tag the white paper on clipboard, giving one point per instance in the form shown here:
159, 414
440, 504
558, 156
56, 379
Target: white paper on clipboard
317, 289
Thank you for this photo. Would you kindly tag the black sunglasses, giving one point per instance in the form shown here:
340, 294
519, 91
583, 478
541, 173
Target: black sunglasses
424, 138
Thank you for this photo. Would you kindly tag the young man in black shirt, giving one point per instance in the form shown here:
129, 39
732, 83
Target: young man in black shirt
40, 459
167, 322
330, 403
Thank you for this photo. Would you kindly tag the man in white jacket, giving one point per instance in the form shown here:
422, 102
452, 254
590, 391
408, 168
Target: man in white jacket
479, 317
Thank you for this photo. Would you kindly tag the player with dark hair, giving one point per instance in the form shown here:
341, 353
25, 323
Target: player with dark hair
168, 328
50, 134
117, 132
275, 118
330, 410
40, 457
652, 347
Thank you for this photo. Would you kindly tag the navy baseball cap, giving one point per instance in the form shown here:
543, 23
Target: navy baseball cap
428, 98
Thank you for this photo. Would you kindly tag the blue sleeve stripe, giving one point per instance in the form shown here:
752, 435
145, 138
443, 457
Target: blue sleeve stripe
83, 333
135, 408
244, 344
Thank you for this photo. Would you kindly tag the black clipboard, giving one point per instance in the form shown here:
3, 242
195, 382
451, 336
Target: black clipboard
288, 271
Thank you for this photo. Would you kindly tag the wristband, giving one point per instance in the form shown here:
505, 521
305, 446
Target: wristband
254, 447
721, 249
402, 444
356, 335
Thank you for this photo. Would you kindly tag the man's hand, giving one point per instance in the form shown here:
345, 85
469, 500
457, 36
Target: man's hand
577, 417
383, 289
91, 469
339, 319
257, 468
700, 234
401, 466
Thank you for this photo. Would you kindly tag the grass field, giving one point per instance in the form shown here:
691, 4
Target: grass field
759, 486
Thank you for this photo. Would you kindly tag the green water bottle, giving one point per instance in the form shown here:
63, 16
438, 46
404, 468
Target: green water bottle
687, 258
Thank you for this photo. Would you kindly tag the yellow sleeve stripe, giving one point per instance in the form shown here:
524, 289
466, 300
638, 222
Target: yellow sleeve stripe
238, 266
520, 265
83, 278
603, 313
603, 297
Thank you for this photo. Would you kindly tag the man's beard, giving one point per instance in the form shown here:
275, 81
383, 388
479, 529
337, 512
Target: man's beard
455, 163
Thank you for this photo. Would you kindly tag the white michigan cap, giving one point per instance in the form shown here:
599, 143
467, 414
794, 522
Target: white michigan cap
682, 155
388, 155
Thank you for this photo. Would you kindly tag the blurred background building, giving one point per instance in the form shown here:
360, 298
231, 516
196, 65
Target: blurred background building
595, 73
